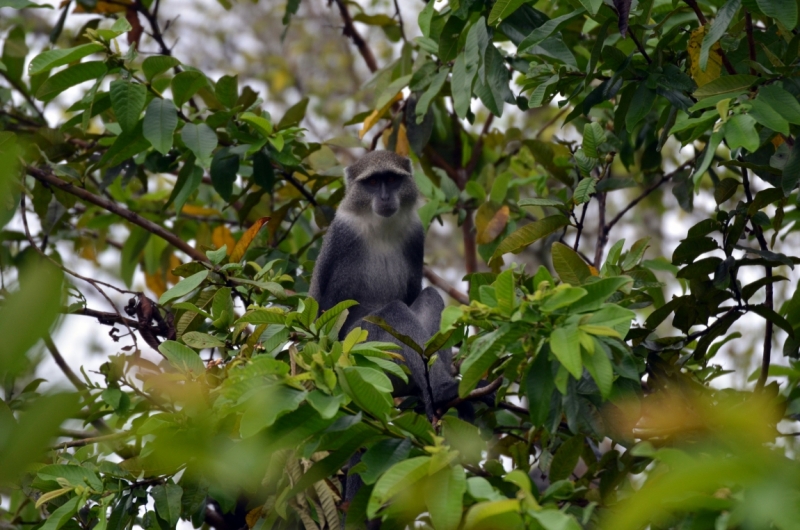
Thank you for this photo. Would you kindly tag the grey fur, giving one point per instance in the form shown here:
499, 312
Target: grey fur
377, 261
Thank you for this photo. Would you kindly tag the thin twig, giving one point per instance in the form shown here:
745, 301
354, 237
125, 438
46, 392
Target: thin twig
769, 301
89, 441
400, 20
640, 47
475, 394
439, 282
293, 181
94, 283
477, 149
351, 32
125, 213
21, 89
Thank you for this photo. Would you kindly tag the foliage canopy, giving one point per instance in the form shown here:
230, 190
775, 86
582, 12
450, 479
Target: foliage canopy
605, 417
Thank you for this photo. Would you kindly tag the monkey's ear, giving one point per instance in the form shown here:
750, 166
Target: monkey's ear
407, 165
348, 176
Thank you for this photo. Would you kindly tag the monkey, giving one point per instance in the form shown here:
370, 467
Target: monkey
373, 254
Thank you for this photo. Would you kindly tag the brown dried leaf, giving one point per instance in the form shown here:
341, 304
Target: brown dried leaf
244, 243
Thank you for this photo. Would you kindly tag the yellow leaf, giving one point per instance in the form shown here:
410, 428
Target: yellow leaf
714, 65
247, 238
174, 263
490, 221
402, 147
222, 236
777, 141
594, 271
102, 7
375, 117
155, 282
253, 516
87, 249
190, 209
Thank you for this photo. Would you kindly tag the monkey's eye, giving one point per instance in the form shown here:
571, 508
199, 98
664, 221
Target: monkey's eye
391, 179
372, 182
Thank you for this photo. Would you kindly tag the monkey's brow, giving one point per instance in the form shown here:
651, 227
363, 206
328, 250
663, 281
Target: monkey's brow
383, 175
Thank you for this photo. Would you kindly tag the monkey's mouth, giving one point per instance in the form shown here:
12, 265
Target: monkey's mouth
385, 210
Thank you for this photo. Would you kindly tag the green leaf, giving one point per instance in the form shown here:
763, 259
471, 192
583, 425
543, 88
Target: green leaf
33, 308
183, 287
294, 115
482, 354
227, 90
182, 358
569, 266
399, 477
599, 367
752, 288
717, 29
63, 514
74, 75
201, 140
364, 394
505, 292
771, 316
46, 61
740, 131
186, 84
224, 168
547, 29
263, 316
593, 136
724, 85
635, 254
167, 498
158, 64
445, 493
725, 189
566, 458
598, 292
641, 105
332, 313
556, 520
326, 405
791, 171
528, 234
22, 4
461, 85
768, 117
127, 145
502, 9
268, 404
708, 155
431, 92
74, 475
160, 121
539, 386
492, 87
127, 100
199, 340
592, 6
784, 11
494, 515
612, 316
584, 190
566, 347
261, 124
563, 296
781, 102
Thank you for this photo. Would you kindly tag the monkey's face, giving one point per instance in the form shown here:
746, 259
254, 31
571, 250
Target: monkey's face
388, 192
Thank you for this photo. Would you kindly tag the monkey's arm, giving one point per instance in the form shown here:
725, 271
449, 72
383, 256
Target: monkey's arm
323, 271
415, 249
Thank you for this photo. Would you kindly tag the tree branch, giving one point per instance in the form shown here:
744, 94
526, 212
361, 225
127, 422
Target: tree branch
439, 282
50, 179
762, 242
351, 32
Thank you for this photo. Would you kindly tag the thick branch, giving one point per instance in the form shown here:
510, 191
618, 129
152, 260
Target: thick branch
50, 179
439, 282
